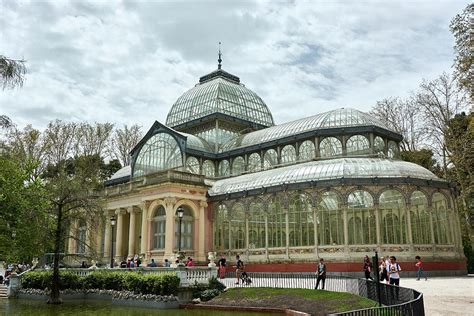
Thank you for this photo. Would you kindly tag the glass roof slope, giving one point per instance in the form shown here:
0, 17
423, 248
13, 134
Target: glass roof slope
322, 170
196, 142
219, 95
124, 172
344, 117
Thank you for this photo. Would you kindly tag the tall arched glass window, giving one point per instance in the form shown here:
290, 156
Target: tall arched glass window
307, 150
357, 145
392, 151
301, 221
187, 230
224, 168
159, 228
237, 226
393, 215
330, 147
255, 163
270, 159
440, 219
420, 218
221, 228
256, 226
238, 165
160, 152
288, 154
330, 220
361, 218
81, 237
192, 165
208, 169
379, 145
276, 223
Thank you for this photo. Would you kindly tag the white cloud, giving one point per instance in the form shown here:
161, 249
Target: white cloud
127, 62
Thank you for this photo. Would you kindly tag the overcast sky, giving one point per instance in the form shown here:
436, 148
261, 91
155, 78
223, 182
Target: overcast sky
128, 62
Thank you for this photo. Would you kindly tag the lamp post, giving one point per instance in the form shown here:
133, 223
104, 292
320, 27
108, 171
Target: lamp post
180, 212
112, 224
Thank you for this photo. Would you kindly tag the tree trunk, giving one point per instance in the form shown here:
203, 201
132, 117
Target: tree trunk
54, 297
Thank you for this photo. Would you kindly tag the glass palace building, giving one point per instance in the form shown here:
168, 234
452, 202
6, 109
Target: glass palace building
329, 186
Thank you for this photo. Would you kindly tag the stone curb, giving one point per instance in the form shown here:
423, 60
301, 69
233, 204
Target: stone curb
275, 310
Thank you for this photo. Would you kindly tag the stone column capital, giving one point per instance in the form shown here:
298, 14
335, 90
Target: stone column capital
170, 201
144, 205
133, 210
203, 204
120, 211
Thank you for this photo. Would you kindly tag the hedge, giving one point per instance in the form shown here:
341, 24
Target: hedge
157, 284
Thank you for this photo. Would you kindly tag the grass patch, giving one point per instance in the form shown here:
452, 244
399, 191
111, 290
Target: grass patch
315, 302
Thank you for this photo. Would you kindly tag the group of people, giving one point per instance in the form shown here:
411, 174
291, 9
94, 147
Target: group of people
131, 263
240, 274
13, 267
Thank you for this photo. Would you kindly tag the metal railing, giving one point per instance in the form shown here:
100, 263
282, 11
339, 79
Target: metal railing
395, 300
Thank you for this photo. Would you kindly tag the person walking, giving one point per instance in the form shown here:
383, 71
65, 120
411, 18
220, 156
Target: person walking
321, 274
394, 274
367, 268
222, 264
239, 266
419, 272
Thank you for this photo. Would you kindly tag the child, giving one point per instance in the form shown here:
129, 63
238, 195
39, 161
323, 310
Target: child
419, 272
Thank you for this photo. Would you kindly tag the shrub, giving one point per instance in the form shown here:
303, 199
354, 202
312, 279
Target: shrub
70, 281
215, 284
209, 294
37, 280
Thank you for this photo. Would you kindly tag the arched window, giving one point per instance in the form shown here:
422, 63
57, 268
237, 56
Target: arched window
361, 218
357, 145
420, 218
307, 150
224, 168
440, 219
187, 230
330, 220
392, 151
288, 154
255, 163
330, 147
393, 215
276, 223
159, 228
160, 152
192, 165
221, 228
379, 145
301, 221
256, 226
238, 166
237, 226
81, 237
270, 159
208, 169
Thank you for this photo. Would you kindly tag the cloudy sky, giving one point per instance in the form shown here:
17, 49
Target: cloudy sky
127, 62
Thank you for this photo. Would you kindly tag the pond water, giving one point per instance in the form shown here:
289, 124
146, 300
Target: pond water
96, 308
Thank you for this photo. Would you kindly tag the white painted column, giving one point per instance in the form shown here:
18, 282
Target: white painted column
119, 239
132, 231
72, 233
107, 237
202, 230
170, 219
145, 235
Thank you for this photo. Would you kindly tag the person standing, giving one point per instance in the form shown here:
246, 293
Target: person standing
367, 268
190, 262
239, 266
419, 272
222, 263
383, 271
394, 273
321, 274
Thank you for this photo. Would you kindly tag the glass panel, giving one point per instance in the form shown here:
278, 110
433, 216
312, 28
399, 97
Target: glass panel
224, 168
361, 218
379, 145
393, 217
270, 159
288, 154
307, 150
237, 226
255, 163
330, 146
208, 168
276, 224
420, 218
301, 221
221, 228
238, 166
256, 226
192, 165
357, 145
160, 152
330, 220
393, 151
159, 228
440, 219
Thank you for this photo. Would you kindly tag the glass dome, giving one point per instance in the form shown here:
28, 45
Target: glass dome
219, 94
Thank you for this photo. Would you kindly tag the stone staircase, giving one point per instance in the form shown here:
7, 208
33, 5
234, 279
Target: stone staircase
3, 291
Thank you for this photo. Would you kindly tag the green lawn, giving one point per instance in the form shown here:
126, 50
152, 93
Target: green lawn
315, 302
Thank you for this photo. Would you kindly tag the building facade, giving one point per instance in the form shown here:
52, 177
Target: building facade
327, 186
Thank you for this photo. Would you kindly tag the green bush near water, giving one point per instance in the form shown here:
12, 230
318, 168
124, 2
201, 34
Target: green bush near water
161, 284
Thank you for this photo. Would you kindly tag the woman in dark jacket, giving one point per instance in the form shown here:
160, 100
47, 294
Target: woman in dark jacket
367, 268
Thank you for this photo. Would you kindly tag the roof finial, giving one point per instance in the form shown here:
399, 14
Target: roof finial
219, 66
